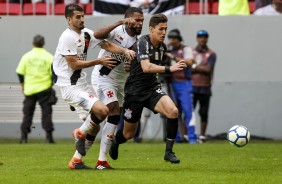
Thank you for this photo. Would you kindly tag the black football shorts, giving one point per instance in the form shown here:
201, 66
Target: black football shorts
133, 104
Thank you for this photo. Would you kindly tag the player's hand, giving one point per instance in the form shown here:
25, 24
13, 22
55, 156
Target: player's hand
130, 54
129, 21
108, 62
127, 66
180, 65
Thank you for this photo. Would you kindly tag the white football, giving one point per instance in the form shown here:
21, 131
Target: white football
238, 135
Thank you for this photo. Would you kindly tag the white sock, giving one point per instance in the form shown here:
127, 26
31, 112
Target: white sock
87, 125
106, 140
77, 155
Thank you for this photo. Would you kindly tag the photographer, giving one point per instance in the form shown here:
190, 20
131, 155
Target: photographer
181, 83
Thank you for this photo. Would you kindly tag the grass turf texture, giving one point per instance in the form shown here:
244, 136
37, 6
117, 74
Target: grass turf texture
213, 162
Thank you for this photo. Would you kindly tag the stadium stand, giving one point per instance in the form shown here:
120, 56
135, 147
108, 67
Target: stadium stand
37, 9
190, 7
10, 9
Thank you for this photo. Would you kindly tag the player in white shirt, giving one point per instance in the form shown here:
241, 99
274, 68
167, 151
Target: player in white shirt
67, 68
109, 83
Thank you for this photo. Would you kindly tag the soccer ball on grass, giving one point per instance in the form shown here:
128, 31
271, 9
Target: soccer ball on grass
238, 135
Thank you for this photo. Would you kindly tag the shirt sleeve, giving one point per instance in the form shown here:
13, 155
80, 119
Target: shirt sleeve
68, 45
212, 60
21, 68
142, 49
188, 53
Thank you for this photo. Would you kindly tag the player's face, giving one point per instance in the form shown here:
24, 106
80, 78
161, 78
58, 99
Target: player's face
159, 31
137, 27
77, 20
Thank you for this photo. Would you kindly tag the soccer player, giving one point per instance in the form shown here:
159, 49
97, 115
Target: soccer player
143, 90
68, 64
109, 84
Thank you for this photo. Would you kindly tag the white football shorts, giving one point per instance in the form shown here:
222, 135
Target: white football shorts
80, 97
108, 91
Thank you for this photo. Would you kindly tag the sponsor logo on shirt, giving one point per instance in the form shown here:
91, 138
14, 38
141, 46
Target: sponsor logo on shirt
120, 57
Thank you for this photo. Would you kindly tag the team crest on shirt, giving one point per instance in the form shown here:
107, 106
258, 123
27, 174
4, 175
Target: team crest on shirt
128, 113
110, 94
159, 91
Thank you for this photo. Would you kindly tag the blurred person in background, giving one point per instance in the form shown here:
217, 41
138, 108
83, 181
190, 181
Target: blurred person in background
182, 84
34, 72
275, 8
233, 7
262, 3
202, 76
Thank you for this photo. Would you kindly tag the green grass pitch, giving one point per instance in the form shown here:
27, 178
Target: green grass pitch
214, 162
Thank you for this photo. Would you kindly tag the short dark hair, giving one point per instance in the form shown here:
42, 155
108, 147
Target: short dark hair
130, 11
38, 41
156, 19
70, 8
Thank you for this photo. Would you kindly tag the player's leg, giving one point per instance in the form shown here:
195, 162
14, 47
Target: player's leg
80, 97
107, 135
122, 136
107, 91
86, 134
203, 112
166, 107
28, 111
76, 161
132, 110
46, 111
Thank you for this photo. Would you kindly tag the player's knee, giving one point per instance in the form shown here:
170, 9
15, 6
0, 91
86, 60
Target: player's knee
173, 113
114, 119
101, 113
97, 119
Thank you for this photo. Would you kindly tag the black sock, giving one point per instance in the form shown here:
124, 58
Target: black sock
171, 131
120, 138
90, 137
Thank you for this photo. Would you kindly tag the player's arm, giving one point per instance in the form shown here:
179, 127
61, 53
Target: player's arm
143, 57
206, 68
111, 47
188, 56
149, 67
104, 32
77, 64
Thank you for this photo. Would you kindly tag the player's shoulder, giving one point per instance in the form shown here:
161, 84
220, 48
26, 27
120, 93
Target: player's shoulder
67, 35
144, 37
